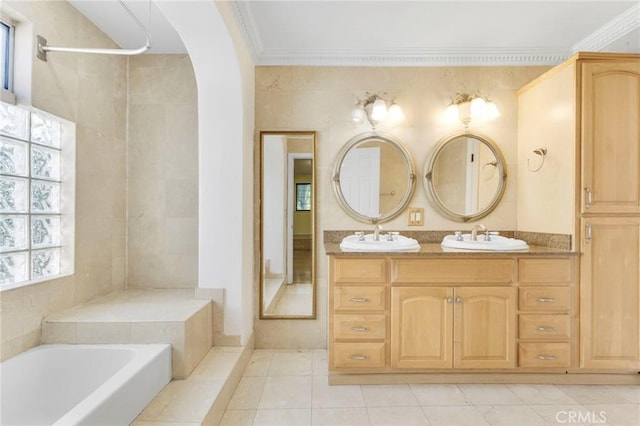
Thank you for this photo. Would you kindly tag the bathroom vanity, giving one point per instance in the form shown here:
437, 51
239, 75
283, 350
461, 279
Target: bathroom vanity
434, 315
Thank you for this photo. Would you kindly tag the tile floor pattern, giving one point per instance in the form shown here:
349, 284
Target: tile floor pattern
289, 387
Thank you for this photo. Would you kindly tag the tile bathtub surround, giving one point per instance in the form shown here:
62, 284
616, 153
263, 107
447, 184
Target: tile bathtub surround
265, 396
140, 316
89, 90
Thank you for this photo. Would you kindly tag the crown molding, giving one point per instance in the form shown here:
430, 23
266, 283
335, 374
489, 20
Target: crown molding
615, 29
424, 57
467, 56
244, 19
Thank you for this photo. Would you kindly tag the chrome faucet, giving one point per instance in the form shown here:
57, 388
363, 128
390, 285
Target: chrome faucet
475, 229
376, 232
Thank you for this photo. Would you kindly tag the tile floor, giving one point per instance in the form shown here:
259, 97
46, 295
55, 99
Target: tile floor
289, 387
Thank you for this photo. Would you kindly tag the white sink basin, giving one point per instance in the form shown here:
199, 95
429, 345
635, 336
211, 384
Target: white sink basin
399, 243
497, 243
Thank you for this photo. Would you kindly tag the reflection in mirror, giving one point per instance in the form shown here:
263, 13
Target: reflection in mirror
465, 177
373, 177
287, 212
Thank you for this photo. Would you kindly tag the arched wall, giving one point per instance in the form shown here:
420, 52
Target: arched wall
224, 76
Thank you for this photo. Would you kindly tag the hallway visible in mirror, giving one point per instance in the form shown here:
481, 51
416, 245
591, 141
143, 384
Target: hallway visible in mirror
287, 214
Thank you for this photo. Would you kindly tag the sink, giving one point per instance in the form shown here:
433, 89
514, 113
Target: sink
399, 243
497, 243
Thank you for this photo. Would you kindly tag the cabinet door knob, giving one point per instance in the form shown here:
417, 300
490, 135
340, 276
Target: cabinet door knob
542, 328
359, 328
449, 299
458, 299
547, 357
359, 300
359, 357
546, 299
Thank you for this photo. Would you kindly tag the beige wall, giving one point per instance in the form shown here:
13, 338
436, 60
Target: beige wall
162, 173
89, 90
321, 99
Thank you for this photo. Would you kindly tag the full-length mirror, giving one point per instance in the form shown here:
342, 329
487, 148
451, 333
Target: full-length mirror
465, 176
373, 177
287, 219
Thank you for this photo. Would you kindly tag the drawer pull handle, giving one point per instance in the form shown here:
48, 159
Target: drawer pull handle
546, 299
359, 328
359, 300
547, 357
542, 328
359, 357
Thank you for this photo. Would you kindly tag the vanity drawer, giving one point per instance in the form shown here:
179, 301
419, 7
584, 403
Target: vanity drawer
356, 270
358, 355
544, 355
554, 299
545, 271
469, 271
359, 298
544, 327
359, 327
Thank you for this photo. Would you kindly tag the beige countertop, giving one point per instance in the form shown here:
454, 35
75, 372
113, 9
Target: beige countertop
435, 250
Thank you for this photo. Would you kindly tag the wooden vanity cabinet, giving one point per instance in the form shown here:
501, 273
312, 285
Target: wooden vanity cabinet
358, 302
452, 313
472, 313
546, 318
589, 107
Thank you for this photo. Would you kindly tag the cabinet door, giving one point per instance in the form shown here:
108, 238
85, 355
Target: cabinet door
610, 293
421, 326
611, 137
484, 332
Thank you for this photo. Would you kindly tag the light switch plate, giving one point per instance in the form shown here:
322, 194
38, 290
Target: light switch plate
415, 216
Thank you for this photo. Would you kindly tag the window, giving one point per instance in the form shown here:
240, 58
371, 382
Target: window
6, 55
303, 197
33, 195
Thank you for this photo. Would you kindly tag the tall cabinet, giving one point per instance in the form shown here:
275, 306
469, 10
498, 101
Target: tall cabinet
601, 125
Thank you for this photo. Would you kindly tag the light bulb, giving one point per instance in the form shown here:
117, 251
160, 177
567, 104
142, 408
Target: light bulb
451, 113
379, 110
357, 114
492, 111
395, 112
478, 108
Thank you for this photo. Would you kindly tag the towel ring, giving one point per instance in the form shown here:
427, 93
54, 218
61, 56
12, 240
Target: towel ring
542, 152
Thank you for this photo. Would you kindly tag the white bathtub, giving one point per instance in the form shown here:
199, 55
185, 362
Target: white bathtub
82, 384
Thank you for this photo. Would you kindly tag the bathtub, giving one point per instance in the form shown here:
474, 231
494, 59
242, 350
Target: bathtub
82, 384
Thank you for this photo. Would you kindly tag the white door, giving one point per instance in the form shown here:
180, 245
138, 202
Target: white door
360, 180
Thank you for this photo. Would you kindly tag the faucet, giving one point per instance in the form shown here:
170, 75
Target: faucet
376, 232
475, 229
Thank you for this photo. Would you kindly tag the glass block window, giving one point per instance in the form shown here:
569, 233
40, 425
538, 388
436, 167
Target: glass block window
31, 202
303, 196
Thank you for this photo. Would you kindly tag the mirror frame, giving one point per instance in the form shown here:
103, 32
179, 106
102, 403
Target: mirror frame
314, 309
411, 176
432, 195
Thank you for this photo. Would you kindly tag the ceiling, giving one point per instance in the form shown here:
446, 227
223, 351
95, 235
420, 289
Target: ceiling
397, 33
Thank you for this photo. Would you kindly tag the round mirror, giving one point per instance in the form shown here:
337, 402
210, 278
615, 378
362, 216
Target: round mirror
465, 177
373, 177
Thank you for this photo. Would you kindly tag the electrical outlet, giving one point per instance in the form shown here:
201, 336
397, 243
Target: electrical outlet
416, 216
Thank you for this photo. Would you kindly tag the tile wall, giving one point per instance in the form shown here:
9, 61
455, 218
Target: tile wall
162, 173
89, 90
321, 99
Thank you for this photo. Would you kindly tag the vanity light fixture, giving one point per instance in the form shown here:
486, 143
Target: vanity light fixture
465, 107
375, 108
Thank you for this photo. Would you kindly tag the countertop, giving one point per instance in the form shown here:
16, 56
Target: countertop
435, 250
